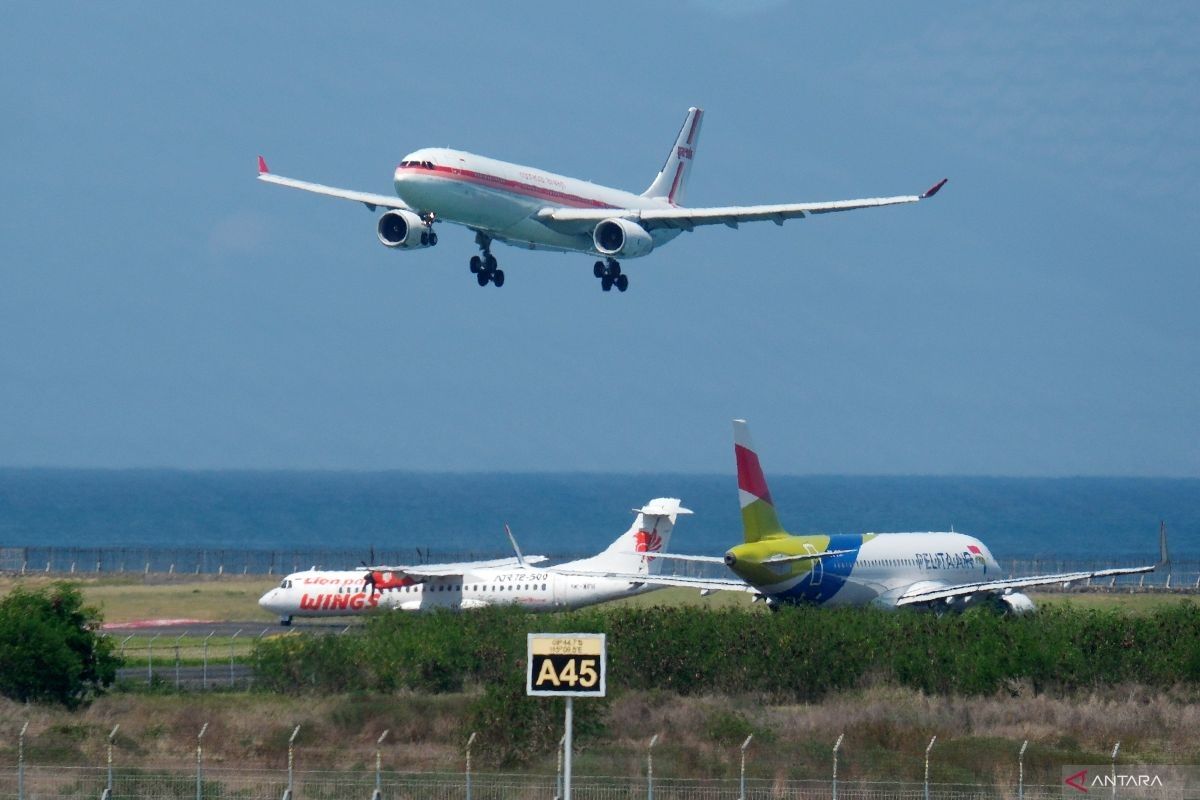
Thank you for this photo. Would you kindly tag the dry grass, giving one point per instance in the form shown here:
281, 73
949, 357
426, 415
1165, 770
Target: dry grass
886, 732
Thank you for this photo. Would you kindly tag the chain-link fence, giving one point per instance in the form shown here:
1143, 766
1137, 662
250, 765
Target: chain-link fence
42, 783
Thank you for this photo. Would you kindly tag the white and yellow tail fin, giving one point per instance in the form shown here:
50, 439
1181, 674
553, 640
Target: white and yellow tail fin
758, 510
672, 179
632, 553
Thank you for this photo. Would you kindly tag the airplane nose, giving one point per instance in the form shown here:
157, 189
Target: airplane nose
730, 559
265, 601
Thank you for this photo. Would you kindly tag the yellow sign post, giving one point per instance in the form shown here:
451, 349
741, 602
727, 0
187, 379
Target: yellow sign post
566, 665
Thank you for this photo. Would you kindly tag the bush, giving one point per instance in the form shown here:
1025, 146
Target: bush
50, 650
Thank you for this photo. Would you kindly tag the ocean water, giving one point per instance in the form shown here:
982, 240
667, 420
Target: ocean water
566, 514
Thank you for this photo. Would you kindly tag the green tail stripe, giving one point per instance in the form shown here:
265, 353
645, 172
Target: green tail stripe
759, 520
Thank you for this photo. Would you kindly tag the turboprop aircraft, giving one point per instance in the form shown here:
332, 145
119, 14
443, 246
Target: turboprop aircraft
539, 210
936, 570
476, 584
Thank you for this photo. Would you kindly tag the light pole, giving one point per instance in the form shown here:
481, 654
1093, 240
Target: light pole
927, 749
1021, 771
199, 762
559, 778
650, 767
836, 746
378, 795
107, 794
745, 744
470, 741
568, 745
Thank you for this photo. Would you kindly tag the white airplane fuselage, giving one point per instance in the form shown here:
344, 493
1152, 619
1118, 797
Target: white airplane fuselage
328, 593
503, 199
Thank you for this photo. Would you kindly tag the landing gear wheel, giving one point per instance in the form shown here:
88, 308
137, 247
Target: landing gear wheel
476, 264
432, 238
498, 278
598, 269
424, 238
614, 268
622, 282
489, 261
606, 283
483, 277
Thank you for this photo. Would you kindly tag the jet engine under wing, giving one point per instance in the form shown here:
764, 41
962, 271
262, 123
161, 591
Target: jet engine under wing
688, 218
926, 595
459, 568
370, 200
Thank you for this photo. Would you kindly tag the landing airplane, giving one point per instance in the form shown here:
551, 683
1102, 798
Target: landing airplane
476, 584
937, 570
538, 210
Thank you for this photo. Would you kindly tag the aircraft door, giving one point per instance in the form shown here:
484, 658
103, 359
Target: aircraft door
818, 565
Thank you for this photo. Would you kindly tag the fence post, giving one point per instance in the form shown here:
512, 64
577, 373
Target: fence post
378, 793
1021, 771
650, 767
558, 777
927, 749
231, 643
742, 784
287, 793
204, 649
470, 741
836, 746
1116, 748
177, 640
107, 793
199, 762
150, 659
21, 762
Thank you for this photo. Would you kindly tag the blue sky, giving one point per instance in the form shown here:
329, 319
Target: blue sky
1039, 317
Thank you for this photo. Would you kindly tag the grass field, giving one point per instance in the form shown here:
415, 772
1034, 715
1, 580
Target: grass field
235, 598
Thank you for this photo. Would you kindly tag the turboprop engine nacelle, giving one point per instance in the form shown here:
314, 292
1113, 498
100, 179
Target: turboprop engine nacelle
620, 237
404, 230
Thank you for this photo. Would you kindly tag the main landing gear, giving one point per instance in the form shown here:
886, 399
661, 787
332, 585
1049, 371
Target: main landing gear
610, 275
484, 267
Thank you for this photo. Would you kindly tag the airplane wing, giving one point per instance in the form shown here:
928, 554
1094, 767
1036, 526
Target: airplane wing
454, 568
709, 584
689, 218
931, 595
371, 201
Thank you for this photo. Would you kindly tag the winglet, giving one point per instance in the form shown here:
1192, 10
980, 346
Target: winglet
262, 166
935, 188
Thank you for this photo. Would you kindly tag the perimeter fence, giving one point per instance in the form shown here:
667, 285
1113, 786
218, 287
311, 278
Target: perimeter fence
41, 783
1181, 575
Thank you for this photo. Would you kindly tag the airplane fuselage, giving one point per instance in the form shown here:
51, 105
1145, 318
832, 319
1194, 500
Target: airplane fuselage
876, 570
502, 199
328, 593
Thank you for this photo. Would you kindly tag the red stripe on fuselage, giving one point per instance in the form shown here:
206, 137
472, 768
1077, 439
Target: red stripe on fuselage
750, 474
507, 185
695, 122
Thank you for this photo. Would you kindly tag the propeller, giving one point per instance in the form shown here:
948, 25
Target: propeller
369, 578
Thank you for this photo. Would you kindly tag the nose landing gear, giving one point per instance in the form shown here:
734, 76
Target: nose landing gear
610, 275
484, 267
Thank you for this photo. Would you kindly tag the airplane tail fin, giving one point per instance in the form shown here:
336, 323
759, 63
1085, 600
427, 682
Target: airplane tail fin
632, 552
672, 179
758, 510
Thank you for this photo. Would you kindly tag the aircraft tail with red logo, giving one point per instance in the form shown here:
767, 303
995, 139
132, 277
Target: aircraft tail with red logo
672, 179
759, 520
633, 552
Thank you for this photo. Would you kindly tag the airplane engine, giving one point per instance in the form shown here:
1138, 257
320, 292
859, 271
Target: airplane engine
404, 230
1017, 603
620, 237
